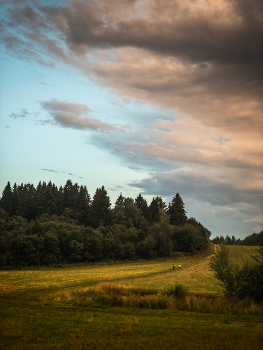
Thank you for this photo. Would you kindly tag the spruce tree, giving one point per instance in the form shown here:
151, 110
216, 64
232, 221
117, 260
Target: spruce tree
156, 204
143, 206
82, 206
7, 199
176, 211
100, 208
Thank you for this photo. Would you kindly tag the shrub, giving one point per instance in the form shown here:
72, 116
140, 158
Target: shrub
178, 291
241, 282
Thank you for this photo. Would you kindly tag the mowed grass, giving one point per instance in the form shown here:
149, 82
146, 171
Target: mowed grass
32, 315
147, 273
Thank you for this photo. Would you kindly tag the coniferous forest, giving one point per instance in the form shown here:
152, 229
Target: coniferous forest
48, 225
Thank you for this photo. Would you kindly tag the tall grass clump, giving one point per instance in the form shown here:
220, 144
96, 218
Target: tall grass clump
175, 297
178, 291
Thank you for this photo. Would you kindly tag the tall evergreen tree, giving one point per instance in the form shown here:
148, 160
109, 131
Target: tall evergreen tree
59, 200
82, 206
118, 211
177, 212
17, 208
49, 200
40, 199
120, 200
156, 204
143, 206
7, 199
100, 208
69, 195
29, 202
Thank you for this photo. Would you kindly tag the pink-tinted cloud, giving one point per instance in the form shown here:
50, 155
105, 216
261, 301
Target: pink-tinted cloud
70, 115
201, 60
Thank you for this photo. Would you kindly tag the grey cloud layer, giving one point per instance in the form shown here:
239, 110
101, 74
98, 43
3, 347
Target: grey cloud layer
69, 115
198, 36
201, 59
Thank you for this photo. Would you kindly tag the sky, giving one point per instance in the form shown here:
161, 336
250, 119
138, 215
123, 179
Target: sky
156, 97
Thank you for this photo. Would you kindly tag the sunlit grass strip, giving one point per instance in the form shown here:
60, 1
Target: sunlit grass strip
175, 298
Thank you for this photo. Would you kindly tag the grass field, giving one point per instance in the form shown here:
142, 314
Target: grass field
42, 308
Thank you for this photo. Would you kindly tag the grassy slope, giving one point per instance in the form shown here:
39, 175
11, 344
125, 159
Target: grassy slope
32, 319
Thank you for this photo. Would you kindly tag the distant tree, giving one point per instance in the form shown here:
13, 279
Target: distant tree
49, 200
69, 192
253, 239
205, 232
93, 245
143, 206
156, 204
6, 201
82, 206
177, 212
16, 205
100, 208
120, 200
59, 200
189, 238
118, 215
162, 233
52, 253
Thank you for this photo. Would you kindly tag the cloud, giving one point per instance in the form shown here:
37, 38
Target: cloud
200, 60
69, 115
59, 172
220, 188
52, 171
21, 113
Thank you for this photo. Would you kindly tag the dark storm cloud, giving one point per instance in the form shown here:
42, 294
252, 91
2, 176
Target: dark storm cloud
198, 36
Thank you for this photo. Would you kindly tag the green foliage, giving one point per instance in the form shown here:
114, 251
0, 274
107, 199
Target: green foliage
100, 208
176, 211
245, 281
224, 270
189, 238
178, 291
254, 239
46, 225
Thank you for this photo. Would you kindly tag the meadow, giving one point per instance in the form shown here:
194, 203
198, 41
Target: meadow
126, 306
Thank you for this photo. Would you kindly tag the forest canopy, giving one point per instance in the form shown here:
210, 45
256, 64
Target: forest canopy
50, 225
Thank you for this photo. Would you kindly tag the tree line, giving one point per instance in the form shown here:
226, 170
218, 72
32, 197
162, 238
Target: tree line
50, 225
255, 239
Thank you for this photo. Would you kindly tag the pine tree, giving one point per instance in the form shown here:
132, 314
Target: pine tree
156, 204
29, 202
120, 200
49, 200
17, 209
100, 208
143, 206
82, 206
70, 193
176, 211
40, 199
7, 199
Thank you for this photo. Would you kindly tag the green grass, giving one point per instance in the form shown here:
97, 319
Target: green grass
53, 308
